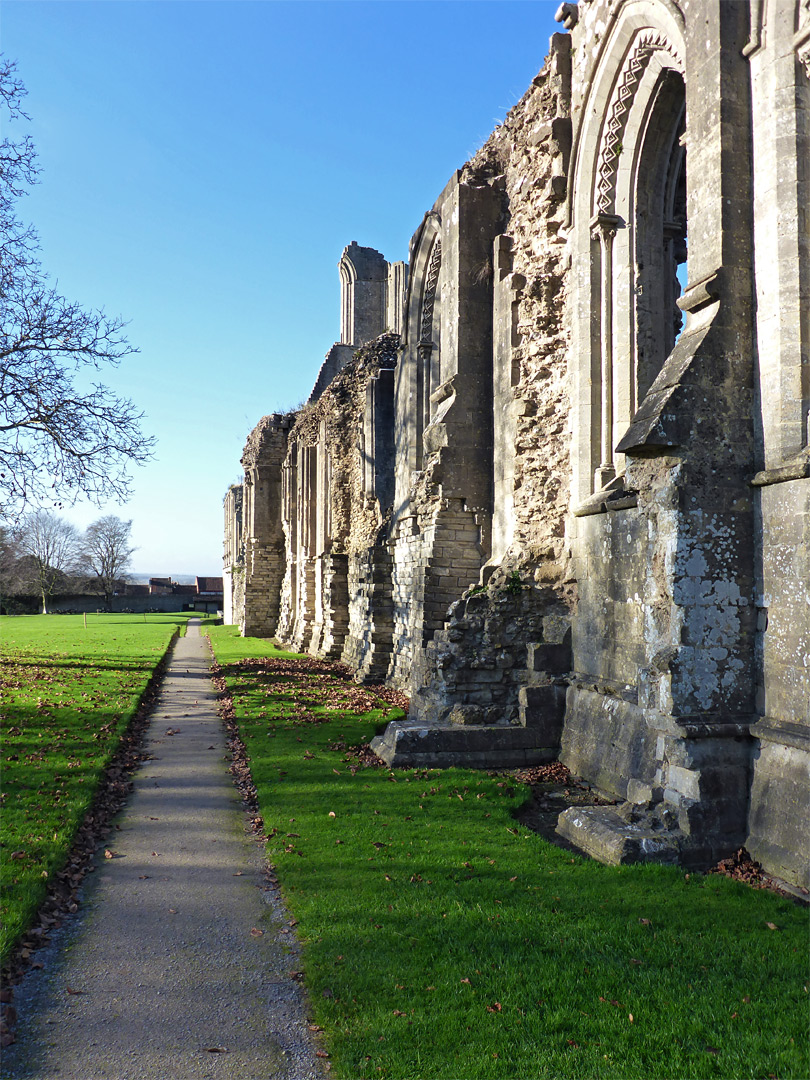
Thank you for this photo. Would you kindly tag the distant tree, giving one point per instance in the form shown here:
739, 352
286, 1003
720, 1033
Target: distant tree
9, 564
105, 553
58, 440
51, 545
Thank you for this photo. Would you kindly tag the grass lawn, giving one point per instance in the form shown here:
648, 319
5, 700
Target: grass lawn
442, 939
67, 695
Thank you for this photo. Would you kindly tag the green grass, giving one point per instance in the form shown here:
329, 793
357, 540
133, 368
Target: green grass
68, 693
442, 939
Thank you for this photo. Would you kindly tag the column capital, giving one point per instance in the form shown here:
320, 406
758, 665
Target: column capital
603, 226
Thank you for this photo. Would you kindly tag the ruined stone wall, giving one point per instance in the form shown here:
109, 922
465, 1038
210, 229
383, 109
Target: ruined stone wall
443, 422
475, 670
334, 510
256, 601
369, 645
570, 510
233, 557
528, 154
437, 555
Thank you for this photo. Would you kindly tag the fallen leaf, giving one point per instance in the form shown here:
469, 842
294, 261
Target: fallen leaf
632, 961
399, 1012
645, 922
332, 813
321, 1054
237, 874
467, 981
630, 1017
142, 877
256, 933
110, 854
771, 926
172, 911
494, 1007
215, 1049
74, 993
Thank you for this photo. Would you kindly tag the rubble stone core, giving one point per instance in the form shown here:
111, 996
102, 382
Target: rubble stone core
554, 480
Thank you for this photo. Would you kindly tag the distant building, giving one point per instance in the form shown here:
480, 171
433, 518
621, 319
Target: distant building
209, 594
164, 594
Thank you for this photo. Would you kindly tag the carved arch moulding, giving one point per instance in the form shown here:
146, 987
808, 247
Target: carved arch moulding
429, 294
425, 264
646, 44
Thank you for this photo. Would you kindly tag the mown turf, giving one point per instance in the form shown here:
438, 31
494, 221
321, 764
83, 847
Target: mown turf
68, 693
442, 939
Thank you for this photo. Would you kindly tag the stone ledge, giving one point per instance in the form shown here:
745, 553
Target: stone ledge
783, 732
485, 746
613, 496
797, 469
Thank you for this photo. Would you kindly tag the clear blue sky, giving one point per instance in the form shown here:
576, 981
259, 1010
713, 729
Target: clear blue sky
204, 165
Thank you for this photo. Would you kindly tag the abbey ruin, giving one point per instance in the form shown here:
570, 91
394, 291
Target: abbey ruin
554, 479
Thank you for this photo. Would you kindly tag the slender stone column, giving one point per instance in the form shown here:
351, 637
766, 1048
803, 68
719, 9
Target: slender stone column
603, 230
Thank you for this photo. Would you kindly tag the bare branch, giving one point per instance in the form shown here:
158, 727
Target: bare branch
57, 442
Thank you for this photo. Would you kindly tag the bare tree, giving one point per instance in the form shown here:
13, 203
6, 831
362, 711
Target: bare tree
9, 564
104, 551
51, 544
57, 440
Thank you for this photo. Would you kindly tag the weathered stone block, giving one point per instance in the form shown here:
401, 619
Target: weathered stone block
607, 836
542, 708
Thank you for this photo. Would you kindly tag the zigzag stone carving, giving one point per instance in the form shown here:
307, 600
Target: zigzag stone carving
647, 43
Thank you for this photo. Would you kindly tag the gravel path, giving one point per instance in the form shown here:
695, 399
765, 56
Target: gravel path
178, 967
